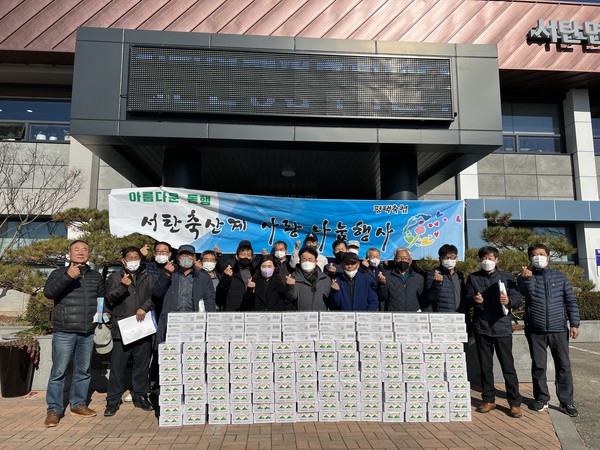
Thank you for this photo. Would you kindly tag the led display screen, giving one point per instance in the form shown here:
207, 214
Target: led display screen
264, 83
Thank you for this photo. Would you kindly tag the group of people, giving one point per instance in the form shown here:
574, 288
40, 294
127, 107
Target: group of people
305, 280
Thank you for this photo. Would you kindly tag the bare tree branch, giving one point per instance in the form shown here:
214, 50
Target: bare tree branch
33, 185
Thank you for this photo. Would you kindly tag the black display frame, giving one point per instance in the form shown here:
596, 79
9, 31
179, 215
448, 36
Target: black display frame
155, 87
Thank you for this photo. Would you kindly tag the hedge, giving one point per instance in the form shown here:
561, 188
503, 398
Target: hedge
589, 305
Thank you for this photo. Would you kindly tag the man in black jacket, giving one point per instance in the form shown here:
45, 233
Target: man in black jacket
233, 287
445, 285
400, 287
129, 293
75, 290
493, 294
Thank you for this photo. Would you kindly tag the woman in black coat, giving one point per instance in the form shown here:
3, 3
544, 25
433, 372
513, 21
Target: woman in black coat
266, 289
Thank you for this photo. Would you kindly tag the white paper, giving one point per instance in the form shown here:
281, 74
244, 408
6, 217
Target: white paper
132, 330
502, 288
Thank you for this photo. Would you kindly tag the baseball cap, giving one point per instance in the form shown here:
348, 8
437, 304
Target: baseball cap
353, 244
187, 249
311, 237
103, 342
244, 244
350, 257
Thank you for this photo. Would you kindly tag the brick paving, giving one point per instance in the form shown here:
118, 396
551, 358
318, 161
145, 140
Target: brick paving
22, 427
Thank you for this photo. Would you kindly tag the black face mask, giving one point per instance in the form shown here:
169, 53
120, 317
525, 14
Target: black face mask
244, 262
339, 255
402, 266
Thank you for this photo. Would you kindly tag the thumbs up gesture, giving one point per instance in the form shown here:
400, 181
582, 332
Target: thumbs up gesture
381, 278
332, 269
290, 280
335, 285
251, 284
228, 270
437, 277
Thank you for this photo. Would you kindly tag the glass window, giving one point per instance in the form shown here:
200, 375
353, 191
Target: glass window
535, 118
509, 144
35, 110
12, 131
45, 132
35, 231
531, 127
35, 120
596, 128
539, 144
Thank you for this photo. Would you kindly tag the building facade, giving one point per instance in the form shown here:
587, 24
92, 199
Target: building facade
525, 90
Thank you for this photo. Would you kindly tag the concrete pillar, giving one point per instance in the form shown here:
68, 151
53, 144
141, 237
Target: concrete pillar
399, 179
580, 143
588, 240
181, 168
467, 183
83, 159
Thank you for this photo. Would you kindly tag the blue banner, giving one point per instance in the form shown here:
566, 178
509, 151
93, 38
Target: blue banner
206, 219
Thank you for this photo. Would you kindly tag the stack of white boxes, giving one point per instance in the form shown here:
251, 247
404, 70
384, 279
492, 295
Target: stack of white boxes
244, 368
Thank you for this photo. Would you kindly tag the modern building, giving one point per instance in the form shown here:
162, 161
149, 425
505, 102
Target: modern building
499, 104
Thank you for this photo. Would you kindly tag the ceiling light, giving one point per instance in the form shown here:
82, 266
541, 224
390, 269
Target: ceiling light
29, 110
288, 173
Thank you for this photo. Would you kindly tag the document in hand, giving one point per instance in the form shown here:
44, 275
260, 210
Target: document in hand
502, 288
132, 330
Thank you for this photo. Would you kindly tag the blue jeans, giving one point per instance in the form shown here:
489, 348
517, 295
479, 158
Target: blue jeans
66, 347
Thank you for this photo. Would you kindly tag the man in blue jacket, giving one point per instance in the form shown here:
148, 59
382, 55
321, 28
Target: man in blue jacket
493, 294
184, 287
549, 303
353, 290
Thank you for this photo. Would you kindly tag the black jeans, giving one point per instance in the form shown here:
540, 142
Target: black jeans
559, 347
140, 352
485, 352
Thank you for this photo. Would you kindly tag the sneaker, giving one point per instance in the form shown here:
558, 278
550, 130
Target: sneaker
539, 406
570, 410
52, 419
129, 398
83, 411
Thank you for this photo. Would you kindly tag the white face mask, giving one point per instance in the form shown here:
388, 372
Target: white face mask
161, 259
449, 263
185, 263
308, 266
488, 265
132, 266
280, 254
539, 261
353, 250
350, 273
209, 266
374, 262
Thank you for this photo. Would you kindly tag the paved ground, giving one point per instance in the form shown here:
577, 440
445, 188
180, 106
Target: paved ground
585, 361
21, 426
